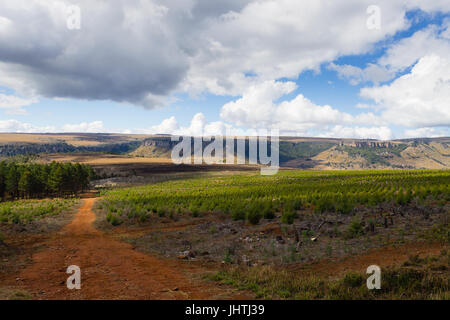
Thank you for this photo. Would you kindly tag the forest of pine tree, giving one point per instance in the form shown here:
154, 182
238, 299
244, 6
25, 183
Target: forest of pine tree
30, 180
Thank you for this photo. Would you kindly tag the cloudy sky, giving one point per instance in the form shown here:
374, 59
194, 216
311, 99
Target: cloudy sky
326, 68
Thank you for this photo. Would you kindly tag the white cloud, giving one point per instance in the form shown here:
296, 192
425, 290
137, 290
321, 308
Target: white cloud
408, 51
379, 133
355, 75
167, 126
426, 133
280, 39
199, 126
141, 52
322, 124
13, 125
420, 98
257, 108
429, 6
17, 126
399, 56
91, 127
5, 24
13, 104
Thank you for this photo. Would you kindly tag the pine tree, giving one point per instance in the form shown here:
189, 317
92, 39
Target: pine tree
55, 179
36, 180
25, 184
12, 180
2, 180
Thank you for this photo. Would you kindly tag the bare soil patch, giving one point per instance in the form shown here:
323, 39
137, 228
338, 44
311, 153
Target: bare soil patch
110, 269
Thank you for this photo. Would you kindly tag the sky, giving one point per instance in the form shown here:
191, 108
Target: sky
323, 68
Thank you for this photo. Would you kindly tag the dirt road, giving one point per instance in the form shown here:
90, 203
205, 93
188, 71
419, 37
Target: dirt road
110, 269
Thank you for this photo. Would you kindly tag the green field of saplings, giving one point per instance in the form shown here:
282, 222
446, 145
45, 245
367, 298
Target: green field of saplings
25, 211
257, 197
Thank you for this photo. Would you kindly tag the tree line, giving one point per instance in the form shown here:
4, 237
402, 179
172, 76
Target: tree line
9, 150
31, 180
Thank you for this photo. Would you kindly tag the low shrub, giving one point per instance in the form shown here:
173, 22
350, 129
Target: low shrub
269, 213
238, 214
355, 229
195, 212
288, 217
253, 216
113, 219
161, 212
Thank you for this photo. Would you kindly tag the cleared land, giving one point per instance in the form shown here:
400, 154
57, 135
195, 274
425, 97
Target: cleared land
302, 221
227, 235
110, 269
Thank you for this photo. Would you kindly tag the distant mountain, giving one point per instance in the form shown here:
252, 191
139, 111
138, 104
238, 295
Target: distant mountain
304, 153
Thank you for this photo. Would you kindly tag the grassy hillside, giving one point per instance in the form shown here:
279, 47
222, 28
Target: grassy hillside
292, 150
374, 156
432, 154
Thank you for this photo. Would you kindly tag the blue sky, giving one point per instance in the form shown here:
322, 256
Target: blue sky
231, 88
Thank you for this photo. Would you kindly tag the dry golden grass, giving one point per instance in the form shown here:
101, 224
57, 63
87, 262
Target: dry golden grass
24, 138
432, 156
333, 159
75, 139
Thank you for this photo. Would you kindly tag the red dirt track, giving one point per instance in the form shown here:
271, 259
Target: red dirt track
110, 269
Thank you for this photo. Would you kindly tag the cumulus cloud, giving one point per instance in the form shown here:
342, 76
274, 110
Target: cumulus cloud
199, 126
429, 6
91, 127
13, 104
379, 133
258, 108
12, 125
355, 75
124, 51
399, 56
167, 126
420, 98
18, 126
275, 39
426, 133
141, 51
406, 52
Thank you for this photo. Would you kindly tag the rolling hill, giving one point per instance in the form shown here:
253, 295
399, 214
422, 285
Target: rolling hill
304, 153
